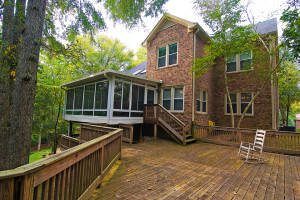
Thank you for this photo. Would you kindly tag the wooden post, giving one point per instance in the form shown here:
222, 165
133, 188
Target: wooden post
27, 187
70, 130
155, 131
184, 135
7, 189
141, 133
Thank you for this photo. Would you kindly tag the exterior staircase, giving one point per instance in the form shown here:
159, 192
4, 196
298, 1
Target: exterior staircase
159, 116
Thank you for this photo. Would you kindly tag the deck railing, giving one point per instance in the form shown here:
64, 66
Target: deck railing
68, 142
276, 141
72, 174
157, 114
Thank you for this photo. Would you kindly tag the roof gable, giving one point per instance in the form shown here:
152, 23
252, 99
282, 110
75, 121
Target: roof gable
169, 20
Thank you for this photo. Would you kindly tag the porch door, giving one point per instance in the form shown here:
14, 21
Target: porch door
151, 97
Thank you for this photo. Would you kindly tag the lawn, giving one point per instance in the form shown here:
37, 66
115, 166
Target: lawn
37, 155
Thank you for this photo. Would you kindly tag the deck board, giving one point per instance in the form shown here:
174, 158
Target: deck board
161, 169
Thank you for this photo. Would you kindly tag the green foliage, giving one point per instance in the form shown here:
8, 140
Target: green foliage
38, 155
130, 12
289, 91
230, 37
102, 53
49, 98
291, 33
140, 56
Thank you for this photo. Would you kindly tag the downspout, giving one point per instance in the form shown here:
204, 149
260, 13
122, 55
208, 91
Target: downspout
193, 77
272, 60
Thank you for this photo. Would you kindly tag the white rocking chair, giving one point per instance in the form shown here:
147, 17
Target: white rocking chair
252, 152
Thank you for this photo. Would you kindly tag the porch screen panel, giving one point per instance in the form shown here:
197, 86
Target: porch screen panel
134, 97
118, 95
125, 96
141, 98
70, 99
78, 98
89, 97
150, 97
137, 99
101, 95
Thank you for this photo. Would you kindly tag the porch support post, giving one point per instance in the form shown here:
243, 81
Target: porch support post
141, 133
70, 129
155, 131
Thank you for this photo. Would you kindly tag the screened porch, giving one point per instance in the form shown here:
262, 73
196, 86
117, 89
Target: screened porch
109, 97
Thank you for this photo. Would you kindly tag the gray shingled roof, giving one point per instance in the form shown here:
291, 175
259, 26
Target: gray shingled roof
269, 26
139, 70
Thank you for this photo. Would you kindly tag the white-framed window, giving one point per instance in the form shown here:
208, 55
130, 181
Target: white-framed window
239, 62
168, 55
202, 101
239, 102
173, 98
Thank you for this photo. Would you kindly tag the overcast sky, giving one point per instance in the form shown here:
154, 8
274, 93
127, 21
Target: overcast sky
261, 10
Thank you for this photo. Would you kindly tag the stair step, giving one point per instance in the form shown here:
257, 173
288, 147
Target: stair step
190, 140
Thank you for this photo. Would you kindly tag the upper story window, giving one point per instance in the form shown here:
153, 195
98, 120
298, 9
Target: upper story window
239, 102
239, 62
167, 55
202, 101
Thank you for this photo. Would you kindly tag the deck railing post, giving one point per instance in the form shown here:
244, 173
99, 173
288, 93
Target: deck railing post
184, 135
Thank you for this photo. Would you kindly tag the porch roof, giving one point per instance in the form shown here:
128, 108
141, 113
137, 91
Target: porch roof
108, 73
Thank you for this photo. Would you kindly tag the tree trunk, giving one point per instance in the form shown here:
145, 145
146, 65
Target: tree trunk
18, 144
229, 99
40, 137
5, 81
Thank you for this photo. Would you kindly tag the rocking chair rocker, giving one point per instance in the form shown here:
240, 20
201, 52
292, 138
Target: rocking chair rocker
252, 152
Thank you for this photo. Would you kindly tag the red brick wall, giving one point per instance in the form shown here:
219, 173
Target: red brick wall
242, 82
205, 83
178, 75
212, 82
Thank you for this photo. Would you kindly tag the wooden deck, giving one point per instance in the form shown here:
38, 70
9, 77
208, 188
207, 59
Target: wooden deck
161, 169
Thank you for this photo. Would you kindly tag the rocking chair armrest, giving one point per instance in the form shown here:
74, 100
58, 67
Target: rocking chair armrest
245, 144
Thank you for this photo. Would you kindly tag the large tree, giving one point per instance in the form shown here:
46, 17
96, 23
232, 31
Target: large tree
226, 18
23, 24
291, 33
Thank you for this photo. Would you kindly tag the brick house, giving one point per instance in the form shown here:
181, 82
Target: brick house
166, 78
204, 98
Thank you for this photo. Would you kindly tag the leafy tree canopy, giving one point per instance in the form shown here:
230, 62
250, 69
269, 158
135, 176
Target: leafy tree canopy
291, 33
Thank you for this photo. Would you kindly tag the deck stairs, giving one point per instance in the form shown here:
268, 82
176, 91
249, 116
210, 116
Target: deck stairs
159, 116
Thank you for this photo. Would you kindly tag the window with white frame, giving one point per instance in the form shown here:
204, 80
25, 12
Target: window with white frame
239, 103
245, 100
202, 101
167, 55
166, 100
239, 62
173, 98
89, 99
233, 98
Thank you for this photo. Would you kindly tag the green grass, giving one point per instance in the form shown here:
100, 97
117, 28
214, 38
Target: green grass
37, 155
298, 130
